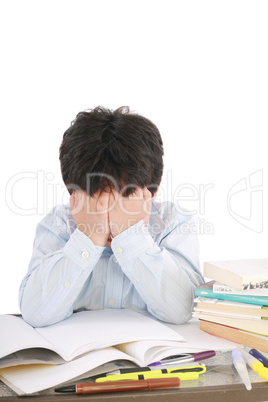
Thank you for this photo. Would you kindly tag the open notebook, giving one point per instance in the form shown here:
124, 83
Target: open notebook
87, 341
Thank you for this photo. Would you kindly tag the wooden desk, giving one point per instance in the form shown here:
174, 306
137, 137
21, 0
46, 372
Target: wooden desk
221, 393
220, 383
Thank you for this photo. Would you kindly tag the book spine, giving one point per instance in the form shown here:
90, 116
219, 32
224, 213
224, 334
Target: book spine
228, 314
234, 335
259, 300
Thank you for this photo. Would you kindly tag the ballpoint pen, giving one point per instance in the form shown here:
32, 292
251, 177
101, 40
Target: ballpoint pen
195, 357
93, 388
241, 368
255, 353
173, 358
182, 373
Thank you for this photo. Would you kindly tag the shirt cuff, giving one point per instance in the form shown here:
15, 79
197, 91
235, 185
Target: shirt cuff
81, 250
132, 242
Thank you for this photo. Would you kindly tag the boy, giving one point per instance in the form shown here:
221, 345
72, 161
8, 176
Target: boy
113, 246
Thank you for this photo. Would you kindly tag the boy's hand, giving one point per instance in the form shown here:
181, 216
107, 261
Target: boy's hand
91, 215
126, 211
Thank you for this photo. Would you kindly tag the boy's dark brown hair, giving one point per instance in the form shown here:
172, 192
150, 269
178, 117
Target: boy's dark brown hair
105, 149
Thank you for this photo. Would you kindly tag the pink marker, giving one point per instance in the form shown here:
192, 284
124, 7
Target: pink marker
193, 358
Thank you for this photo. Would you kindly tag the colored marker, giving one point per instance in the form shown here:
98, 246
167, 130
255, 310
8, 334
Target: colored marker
194, 358
255, 364
241, 368
255, 353
141, 370
198, 369
147, 375
93, 388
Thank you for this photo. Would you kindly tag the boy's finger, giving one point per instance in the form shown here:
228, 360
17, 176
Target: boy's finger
102, 202
112, 199
76, 202
72, 200
147, 201
138, 194
115, 196
146, 194
103, 199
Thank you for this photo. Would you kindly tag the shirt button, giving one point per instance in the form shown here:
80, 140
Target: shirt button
134, 281
115, 260
111, 302
67, 284
119, 250
84, 254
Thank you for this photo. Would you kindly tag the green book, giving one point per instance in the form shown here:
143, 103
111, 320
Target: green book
206, 290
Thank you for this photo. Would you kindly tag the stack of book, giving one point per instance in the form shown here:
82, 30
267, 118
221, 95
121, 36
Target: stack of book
234, 304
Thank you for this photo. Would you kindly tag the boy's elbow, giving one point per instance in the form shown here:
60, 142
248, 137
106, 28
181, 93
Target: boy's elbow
36, 319
180, 316
33, 320
34, 315
30, 311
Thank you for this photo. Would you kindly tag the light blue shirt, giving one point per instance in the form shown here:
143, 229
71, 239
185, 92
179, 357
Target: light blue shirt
154, 268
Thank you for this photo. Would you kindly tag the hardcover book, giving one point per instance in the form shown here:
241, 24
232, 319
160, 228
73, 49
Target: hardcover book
206, 290
239, 274
221, 288
251, 325
251, 340
226, 307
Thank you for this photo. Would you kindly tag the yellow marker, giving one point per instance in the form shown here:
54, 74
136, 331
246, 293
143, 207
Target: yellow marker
193, 375
140, 370
200, 369
255, 364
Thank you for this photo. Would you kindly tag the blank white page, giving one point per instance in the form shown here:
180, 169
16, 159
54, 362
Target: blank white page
90, 330
16, 334
36, 377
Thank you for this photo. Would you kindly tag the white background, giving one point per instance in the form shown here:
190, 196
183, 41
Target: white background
197, 69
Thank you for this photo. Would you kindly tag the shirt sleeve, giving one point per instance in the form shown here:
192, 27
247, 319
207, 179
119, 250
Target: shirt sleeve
165, 272
61, 263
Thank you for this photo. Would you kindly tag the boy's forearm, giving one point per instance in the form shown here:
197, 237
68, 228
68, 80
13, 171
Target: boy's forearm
164, 279
49, 291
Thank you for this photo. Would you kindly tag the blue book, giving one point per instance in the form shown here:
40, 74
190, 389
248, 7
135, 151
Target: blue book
206, 290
